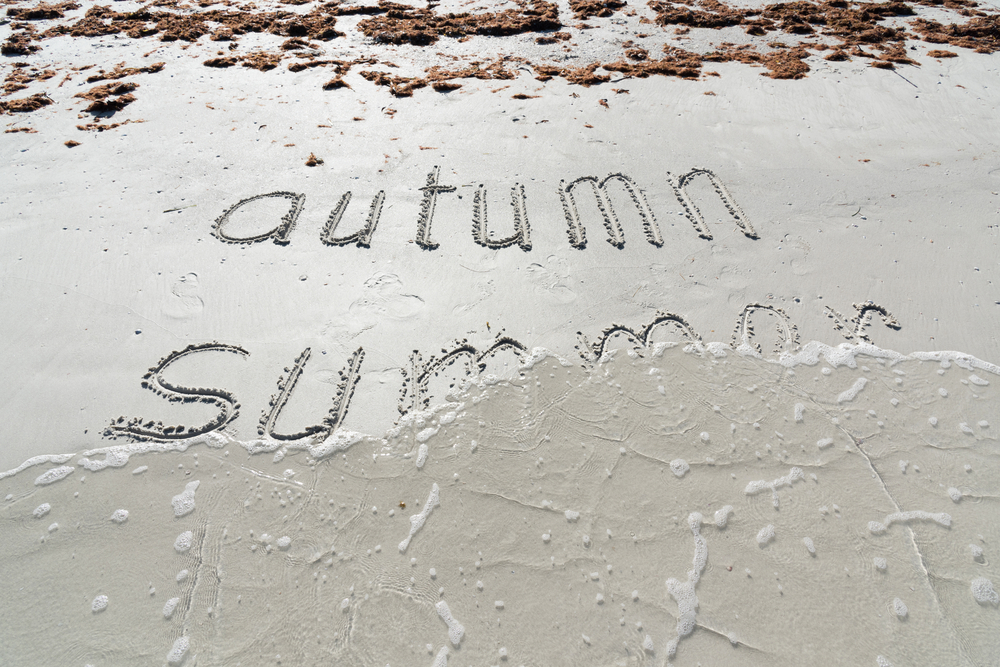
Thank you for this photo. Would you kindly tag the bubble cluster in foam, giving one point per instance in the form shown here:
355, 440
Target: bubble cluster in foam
41, 510
983, 591
417, 521
899, 607
810, 547
977, 553
169, 607
794, 475
684, 592
765, 535
421, 456
183, 502
178, 650
679, 467
183, 542
441, 659
852, 392
99, 604
120, 516
877, 528
722, 516
880, 563
54, 475
455, 629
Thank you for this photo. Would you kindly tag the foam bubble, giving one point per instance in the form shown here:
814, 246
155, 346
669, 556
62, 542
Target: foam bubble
753, 488
41, 510
140, 470
178, 650
799, 410
851, 393
954, 494
53, 527
933, 421
881, 661
679, 467
977, 553
183, 542
722, 516
983, 591
53, 475
571, 515
824, 443
647, 644
441, 659
765, 535
284, 542
120, 516
183, 502
899, 607
169, 607
421, 456
880, 563
810, 547
417, 521
878, 528
99, 604
182, 576
455, 629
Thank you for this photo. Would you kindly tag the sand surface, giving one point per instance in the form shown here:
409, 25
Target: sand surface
539, 286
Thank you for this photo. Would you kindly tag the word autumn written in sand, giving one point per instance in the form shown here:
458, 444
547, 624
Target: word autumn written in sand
281, 232
444, 374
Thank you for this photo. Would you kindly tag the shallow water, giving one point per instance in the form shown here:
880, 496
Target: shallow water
569, 495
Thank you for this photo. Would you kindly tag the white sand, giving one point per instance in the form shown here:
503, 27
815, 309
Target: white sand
859, 184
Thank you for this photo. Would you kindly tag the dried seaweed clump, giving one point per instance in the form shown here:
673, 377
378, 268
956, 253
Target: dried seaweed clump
402, 24
439, 78
42, 11
109, 97
675, 62
26, 104
585, 76
20, 42
120, 72
585, 9
259, 60
981, 34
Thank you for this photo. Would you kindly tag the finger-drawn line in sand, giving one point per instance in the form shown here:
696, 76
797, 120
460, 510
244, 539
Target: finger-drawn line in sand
694, 214
363, 236
593, 352
139, 429
427, 205
854, 327
349, 378
278, 234
616, 237
522, 229
788, 334
414, 393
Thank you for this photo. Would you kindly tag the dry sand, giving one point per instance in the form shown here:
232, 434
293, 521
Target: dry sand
363, 242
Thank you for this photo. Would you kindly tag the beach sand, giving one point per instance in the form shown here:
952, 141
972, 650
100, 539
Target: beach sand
487, 260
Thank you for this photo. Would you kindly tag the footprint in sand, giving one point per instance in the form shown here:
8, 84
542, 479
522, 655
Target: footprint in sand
184, 300
552, 279
383, 298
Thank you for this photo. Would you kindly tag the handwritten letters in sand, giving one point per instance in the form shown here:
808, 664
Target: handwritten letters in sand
570, 194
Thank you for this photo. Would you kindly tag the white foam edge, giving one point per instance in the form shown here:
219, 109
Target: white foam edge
810, 354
